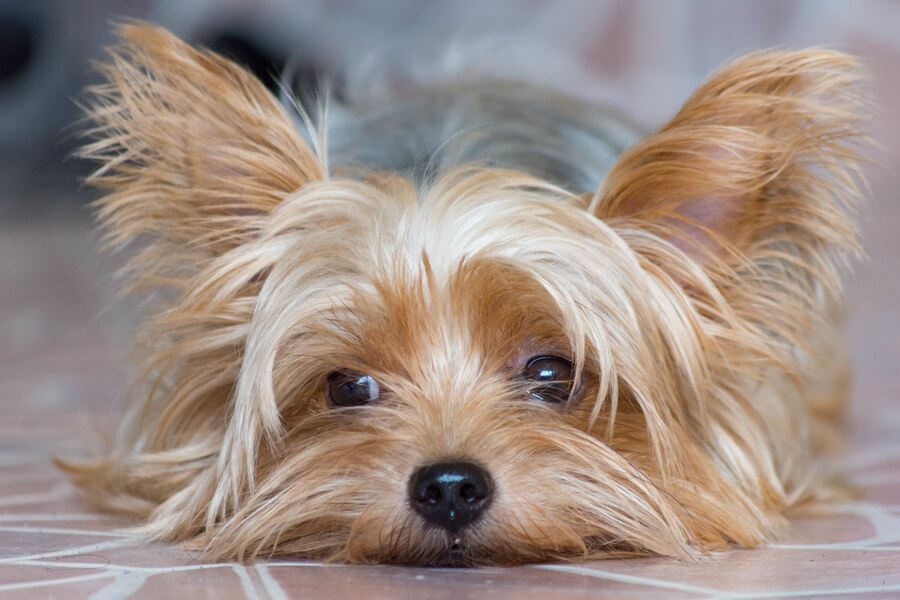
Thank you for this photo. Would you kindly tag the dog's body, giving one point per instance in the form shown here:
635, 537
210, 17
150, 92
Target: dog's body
467, 331
422, 132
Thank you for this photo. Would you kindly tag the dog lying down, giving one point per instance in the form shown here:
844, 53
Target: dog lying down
470, 329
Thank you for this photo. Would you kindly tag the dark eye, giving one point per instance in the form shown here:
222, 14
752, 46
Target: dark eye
351, 389
551, 378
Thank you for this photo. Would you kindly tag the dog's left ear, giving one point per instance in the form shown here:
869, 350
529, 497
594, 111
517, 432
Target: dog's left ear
194, 150
762, 151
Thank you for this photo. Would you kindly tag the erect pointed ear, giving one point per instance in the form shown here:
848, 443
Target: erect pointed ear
759, 154
195, 151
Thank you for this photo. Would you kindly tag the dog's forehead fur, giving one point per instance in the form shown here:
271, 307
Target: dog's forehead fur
467, 272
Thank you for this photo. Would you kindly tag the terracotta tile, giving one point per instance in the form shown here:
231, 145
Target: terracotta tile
35, 541
59, 500
215, 584
832, 530
886, 493
13, 574
868, 593
383, 583
28, 486
86, 522
77, 586
769, 571
156, 556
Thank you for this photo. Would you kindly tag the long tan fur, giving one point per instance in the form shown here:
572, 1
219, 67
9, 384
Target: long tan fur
695, 292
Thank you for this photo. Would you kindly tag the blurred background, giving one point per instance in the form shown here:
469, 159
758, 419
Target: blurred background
61, 345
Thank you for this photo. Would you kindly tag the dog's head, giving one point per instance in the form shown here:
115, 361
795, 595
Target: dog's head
484, 369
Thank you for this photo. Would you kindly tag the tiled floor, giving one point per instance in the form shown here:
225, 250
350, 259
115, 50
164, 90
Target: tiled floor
62, 371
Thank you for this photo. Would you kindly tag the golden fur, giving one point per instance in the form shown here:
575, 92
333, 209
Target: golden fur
695, 292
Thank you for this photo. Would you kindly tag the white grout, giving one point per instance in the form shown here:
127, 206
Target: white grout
56, 493
114, 567
87, 549
246, 582
631, 579
24, 585
846, 592
53, 517
271, 585
124, 585
64, 531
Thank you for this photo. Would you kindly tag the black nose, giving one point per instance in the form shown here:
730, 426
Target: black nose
450, 495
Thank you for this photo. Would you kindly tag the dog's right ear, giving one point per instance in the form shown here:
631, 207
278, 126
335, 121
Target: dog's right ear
195, 151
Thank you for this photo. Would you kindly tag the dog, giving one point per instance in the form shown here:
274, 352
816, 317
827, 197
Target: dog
471, 323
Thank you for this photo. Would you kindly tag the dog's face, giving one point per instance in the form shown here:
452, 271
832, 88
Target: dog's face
486, 369
440, 374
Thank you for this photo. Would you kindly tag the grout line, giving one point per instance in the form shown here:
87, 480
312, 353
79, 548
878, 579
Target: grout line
246, 582
123, 586
635, 579
60, 530
88, 549
304, 563
815, 593
9, 459
51, 582
53, 564
717, 594
863, 545
110, 565
54, 494
34, 477
272, 587
54, 517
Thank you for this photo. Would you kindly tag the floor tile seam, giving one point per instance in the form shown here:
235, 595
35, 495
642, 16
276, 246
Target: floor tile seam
58, 492
840, 546
635, 579
53, 517
247, 583
814, 593
122, 567
14, 478
75, 551
64, 531
53, 582
123, 585
712, 593
270, 584
23, 459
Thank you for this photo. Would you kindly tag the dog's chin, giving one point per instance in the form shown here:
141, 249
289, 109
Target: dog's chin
452, 557
460, 551
463, 550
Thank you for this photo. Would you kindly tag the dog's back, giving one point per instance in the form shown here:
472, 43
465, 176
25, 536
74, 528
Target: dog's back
425, 131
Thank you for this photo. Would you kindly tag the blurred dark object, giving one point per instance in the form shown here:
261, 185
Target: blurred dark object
247, 53
269, 64
17, 43
44, 50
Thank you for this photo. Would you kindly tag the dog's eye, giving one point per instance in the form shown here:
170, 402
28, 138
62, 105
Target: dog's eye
551, 377
351, 389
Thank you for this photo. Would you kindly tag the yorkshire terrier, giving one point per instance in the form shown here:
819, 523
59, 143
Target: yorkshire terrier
464, 324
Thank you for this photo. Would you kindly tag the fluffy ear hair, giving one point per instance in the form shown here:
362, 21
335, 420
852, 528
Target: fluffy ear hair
744, 205
759, 155
195, 152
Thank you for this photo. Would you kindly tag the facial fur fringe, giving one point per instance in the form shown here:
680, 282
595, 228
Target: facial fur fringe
697, 292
